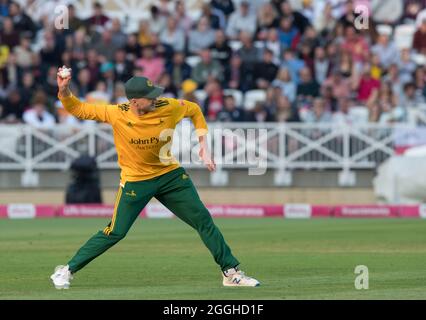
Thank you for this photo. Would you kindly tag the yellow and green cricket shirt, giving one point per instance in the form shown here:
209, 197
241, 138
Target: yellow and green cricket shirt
144, 142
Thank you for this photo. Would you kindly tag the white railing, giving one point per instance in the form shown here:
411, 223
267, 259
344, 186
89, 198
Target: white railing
281, 147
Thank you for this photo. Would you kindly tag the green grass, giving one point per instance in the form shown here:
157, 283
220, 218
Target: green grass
165, 259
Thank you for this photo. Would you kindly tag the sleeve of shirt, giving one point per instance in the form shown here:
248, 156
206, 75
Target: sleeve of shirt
87, 111
193, 111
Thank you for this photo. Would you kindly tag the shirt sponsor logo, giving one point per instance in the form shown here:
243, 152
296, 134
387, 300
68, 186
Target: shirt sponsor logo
152, 140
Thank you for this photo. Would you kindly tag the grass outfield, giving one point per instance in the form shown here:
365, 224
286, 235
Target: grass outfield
165, 259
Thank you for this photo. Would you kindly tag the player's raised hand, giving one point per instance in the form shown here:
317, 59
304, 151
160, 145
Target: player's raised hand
63, 78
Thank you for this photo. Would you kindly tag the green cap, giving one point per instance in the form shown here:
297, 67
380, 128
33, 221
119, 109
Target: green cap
141, 87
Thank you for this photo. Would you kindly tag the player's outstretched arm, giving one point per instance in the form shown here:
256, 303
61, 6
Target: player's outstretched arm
193, 111
205, 153
73, 105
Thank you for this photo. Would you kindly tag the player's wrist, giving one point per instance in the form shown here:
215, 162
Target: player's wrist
64, 92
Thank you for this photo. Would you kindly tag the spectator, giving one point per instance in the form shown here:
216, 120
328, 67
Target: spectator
220, 50
93, 65
185, 21
99, 95
231, 112
170, 90
235, 79
13, 107
409, 98
38, 116
299, 20
4, 8
214, 101
73, 21
385, 49
22, 23
151, 64
105, 46
248, 52
340, 86
308, 87
8, 35
50, 86
325, 22
157, 21
242, 20
118, 37
108, 77
133, 48
202, 37
28, 87
267, 20
119, 93
188, 88
79, 45
287, 33
343, 116
226, 6
272, 43
345, 65
207, 68
284, 111
51, 51
419, 39
215, 17
23, 52
366, 85
144, 33
178, 69
172, 36
99, 19
318, 113
394, 78
165, 7
83, 85
406, 66
287, 86
260, 113
321, 64
330, 101
355, 45
420, 81
293, 64
122, 66
265, 71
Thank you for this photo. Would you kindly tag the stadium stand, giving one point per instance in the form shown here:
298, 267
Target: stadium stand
287, 63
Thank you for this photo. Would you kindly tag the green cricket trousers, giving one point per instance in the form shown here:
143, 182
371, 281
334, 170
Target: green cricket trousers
176, 192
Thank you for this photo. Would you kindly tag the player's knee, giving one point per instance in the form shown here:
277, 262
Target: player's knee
204, 220
115, 236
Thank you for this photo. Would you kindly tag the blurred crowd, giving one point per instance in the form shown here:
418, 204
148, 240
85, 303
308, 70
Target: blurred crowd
240, 60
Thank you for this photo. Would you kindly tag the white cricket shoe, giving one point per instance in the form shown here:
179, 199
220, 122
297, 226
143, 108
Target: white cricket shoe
61, 277
236, 278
